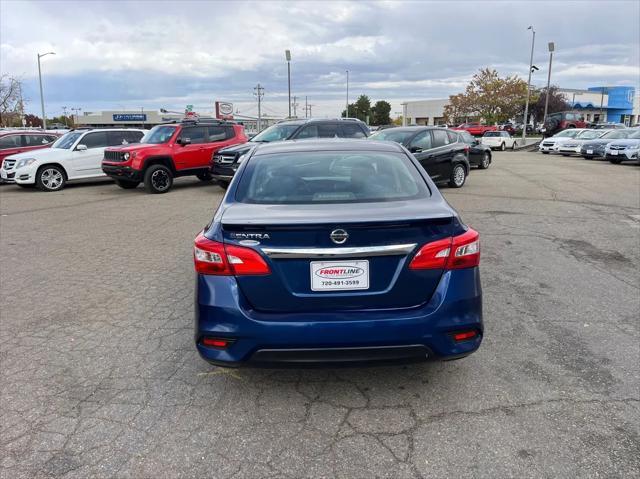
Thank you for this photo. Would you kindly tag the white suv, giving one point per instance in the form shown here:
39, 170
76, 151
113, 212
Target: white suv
75, 156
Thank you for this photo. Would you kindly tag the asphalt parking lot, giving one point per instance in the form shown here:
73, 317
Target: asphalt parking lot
100, 377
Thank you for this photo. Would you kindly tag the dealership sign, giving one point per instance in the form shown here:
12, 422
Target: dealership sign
130, 117
224, 110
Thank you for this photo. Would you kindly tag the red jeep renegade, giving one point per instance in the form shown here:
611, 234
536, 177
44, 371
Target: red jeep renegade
168, 151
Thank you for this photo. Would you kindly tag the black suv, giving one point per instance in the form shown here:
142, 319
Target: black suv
440, 151
225, 162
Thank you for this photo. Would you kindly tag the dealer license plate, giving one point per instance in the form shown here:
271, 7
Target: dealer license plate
589, 152
614, 152
339, 275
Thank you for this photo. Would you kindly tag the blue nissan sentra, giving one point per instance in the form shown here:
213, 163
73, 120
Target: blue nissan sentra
335, 252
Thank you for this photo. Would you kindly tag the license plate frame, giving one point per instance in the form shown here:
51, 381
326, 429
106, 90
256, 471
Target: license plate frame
347, 275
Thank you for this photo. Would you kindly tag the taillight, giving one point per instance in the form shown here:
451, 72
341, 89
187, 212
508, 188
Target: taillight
212, 257
462, 251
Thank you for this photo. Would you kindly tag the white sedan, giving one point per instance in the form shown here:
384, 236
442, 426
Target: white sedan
76, 155
572, 147
499, 139
551, 144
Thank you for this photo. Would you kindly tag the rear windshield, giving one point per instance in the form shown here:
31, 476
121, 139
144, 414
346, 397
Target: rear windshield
589, 135
330, 177
569, 133
493, 133
392, 134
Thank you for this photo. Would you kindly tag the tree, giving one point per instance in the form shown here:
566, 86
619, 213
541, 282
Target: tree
489, 97
557, 102
10, 99
381, 113
33, 120
361, 109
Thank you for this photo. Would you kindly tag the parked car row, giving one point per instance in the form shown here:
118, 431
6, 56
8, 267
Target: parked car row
214, 149
615, 145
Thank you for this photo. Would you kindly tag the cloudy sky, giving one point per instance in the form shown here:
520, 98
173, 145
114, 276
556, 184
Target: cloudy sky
154, 54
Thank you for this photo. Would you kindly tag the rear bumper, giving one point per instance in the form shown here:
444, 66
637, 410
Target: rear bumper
336, 338
121, 172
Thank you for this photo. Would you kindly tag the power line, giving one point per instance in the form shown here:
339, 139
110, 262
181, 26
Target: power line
259, 92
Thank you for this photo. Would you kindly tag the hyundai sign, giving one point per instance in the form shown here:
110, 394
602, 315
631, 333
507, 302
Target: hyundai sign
130, 117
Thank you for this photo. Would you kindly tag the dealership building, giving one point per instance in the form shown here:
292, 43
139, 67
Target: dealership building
618, 104
149, 119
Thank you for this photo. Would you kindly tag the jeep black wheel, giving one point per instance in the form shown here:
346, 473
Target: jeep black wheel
158, 179
127, 184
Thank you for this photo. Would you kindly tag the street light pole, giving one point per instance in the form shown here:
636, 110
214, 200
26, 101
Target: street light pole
552, 47
287, 54
346, 110
526, 105
44, 118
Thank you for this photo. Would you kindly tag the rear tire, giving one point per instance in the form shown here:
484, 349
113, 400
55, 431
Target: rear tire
127, 185
458, 176
545, 152
158, 179
513, 146
503, 147
587, 157
615, 161
223, 184
50, 178
485, 162
206, 177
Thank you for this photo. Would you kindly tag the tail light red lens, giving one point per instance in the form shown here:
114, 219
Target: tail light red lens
464, 335
212, 257
219, 343
462, 251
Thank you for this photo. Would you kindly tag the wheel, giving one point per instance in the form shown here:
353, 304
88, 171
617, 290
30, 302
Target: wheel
127, 185
223, 184
513, 146
204, 176
545, 152
486, 161
50, 178
158, 179
587, 157
615, 161
503, 147
458, 176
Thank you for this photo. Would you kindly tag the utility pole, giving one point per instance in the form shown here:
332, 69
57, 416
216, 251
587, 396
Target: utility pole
44, 118
287, 55
602, 92
525, 121
142, 113
346, 110
306, 106
295, 107
552, 47
64, 113
259, 92
77, 110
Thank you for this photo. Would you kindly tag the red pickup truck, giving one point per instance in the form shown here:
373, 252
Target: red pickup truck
171, 150
475, 129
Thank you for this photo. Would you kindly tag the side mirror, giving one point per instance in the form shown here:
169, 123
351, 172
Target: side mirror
81, 147
184, 141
